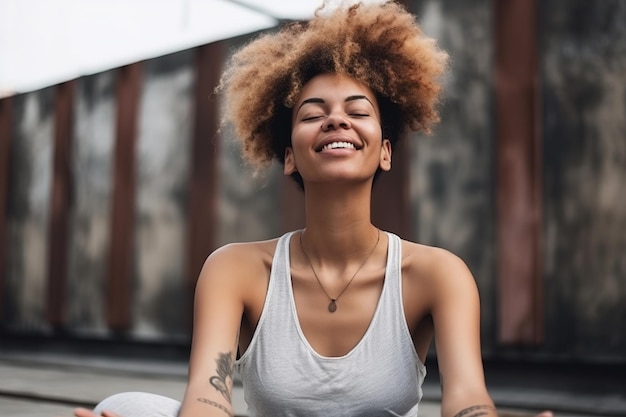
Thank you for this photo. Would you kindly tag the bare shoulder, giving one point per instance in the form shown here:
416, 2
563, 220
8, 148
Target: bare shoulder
243, 254
235, 263
431, 262
437, 269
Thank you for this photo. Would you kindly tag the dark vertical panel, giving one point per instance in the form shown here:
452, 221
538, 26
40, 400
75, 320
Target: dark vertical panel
518, 181
6, 123
204, 173
292, 205
60, 202
119, 284
452, 179
583, 45
390, 201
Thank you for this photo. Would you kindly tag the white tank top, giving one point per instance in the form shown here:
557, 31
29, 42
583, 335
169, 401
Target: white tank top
283, 376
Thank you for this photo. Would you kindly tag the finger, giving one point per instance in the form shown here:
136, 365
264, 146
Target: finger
83, 412
545, 414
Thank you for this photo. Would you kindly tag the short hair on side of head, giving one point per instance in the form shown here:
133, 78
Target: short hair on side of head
379, 45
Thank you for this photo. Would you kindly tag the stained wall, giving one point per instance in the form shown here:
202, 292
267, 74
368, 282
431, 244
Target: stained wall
452, 185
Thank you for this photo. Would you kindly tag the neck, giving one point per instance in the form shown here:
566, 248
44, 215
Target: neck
338, 221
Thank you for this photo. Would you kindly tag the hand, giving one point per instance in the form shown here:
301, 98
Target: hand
545, 414
83, 412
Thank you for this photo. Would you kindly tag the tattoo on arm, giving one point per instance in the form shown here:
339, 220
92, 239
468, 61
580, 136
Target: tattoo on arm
217, 405
225, 367
475, 411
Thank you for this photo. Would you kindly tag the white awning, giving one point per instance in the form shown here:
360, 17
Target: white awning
45, 42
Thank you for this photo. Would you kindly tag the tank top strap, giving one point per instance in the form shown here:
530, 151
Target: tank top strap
392, 322
280, 275
281, 253
277, 297
393, 271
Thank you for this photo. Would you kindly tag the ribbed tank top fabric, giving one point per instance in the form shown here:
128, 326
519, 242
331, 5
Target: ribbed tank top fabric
284, 376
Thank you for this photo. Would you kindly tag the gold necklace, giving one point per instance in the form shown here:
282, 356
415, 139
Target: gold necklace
332, 306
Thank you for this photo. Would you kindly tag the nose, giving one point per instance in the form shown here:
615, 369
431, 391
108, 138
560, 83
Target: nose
335, 121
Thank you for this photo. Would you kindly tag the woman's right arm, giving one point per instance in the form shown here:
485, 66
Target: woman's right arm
218, 309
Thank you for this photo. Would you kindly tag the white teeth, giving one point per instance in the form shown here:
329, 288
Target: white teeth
338, 145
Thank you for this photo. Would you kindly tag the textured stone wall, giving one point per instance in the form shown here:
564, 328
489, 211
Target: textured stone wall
451, 172
583, 74
163, 157
584, 115
90, 213
28, 211
249, 203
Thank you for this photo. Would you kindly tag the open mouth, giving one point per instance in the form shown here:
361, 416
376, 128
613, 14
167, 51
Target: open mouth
338, 145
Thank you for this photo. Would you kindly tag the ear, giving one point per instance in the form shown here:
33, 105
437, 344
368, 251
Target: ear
290, 162
385, 155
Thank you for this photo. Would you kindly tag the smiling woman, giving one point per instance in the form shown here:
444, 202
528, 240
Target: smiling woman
381, 47
335, 319
338, 120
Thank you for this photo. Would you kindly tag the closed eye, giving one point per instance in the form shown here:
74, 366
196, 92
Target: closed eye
308, 118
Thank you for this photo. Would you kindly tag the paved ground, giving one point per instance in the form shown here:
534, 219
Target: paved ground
42, 384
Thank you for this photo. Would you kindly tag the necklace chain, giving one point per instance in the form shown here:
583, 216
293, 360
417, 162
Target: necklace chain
332, 306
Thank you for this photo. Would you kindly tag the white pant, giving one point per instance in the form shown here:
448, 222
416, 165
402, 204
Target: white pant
139, 404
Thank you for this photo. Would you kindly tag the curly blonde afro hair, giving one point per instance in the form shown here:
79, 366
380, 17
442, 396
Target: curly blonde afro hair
379, 45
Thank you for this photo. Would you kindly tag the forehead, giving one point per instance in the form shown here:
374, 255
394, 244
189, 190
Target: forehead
334, 87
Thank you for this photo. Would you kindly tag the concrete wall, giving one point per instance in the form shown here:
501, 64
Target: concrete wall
582, 48
28, 212
89, 234
452, 184
584, 130
249, 202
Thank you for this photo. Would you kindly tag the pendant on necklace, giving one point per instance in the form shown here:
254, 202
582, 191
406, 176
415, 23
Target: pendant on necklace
332, 307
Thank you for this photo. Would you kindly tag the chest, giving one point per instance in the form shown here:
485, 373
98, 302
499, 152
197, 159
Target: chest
337, 333
355, 358
288, 381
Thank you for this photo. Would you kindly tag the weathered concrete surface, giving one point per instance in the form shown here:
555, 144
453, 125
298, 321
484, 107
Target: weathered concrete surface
163, 156
584, 88
249, 202
583, 73
452, 186
28, 212
89, 229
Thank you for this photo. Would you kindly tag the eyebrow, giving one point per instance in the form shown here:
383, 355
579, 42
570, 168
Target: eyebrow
349, 98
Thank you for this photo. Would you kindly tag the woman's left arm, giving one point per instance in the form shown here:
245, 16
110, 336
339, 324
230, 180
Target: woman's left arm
456, 318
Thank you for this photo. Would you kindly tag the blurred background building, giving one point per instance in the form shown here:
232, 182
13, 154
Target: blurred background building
115, 184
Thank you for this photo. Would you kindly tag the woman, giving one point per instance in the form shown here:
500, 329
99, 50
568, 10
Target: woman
335, 319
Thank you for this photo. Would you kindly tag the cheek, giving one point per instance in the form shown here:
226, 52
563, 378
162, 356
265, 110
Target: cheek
374, 133
302, 135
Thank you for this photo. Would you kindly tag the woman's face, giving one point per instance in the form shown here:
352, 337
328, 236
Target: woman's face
336, 132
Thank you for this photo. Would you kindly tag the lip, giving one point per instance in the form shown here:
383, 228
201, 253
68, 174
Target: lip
336, 138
